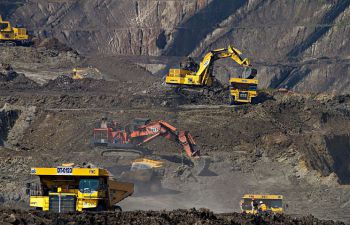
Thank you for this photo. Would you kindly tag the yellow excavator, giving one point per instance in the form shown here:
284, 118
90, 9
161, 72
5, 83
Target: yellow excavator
194, 75
12, 36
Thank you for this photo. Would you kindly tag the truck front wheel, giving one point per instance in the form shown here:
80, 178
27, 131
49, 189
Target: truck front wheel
231, 99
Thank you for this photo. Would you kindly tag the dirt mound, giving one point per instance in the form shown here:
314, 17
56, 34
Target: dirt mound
7, 73
192, 216
51, 43
10, 79
7, 121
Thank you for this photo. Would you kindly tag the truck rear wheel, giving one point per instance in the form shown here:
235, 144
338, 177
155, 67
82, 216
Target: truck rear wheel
10, 43
117, 208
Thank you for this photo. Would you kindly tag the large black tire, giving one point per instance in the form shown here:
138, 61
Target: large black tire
10, 44
101, 206
117, 208
231, 99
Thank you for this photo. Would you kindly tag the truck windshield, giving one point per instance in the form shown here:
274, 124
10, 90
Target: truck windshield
244, 87
270, 203
88, 185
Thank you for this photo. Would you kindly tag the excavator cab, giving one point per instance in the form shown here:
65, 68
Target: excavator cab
3, 25
189, 64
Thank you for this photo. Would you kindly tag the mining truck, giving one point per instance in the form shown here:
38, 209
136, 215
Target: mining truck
146, 174
274, 203
68, 189
243, 90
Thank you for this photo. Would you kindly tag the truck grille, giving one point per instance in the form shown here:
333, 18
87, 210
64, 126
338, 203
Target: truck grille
243, 95
62, 203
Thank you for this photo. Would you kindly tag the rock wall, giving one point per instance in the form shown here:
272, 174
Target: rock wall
301, 45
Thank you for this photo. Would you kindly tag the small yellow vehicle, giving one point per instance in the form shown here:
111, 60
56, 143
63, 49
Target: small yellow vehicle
69, 189
274, 203
243, 90
12, 36
88, 72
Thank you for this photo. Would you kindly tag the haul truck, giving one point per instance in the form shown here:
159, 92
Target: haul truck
146, 174
274, 203
68, 189
243, 90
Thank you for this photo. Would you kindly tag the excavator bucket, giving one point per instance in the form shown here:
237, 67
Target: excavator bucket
201, 166
249, 73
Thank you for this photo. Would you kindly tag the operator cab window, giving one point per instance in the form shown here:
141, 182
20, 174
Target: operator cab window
244, 87
89, 185
140, 166
247, 204
252, 88
274, 203
3, 26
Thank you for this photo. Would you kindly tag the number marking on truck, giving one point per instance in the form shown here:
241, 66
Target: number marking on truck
64, 170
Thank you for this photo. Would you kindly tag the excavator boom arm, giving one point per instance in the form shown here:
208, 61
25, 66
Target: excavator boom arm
222, 53
160, 128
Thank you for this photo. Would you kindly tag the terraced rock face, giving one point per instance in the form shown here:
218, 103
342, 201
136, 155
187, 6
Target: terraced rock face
112, 27
302, 45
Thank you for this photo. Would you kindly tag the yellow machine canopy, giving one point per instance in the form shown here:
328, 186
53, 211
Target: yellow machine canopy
274, 203
69, 171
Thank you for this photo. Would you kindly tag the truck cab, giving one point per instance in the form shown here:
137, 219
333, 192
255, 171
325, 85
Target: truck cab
243, 90
68, 189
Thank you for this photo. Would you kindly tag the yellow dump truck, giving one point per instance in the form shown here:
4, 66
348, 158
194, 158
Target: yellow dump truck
146, 174
250, 202
68, 189
12, 36
243, 90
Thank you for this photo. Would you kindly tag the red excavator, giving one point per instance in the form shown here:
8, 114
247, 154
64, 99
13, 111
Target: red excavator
139, 132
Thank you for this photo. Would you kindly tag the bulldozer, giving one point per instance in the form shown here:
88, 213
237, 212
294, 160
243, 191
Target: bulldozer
274, 203
67, 189
87, 72
192, 75
146, 174
13, 36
